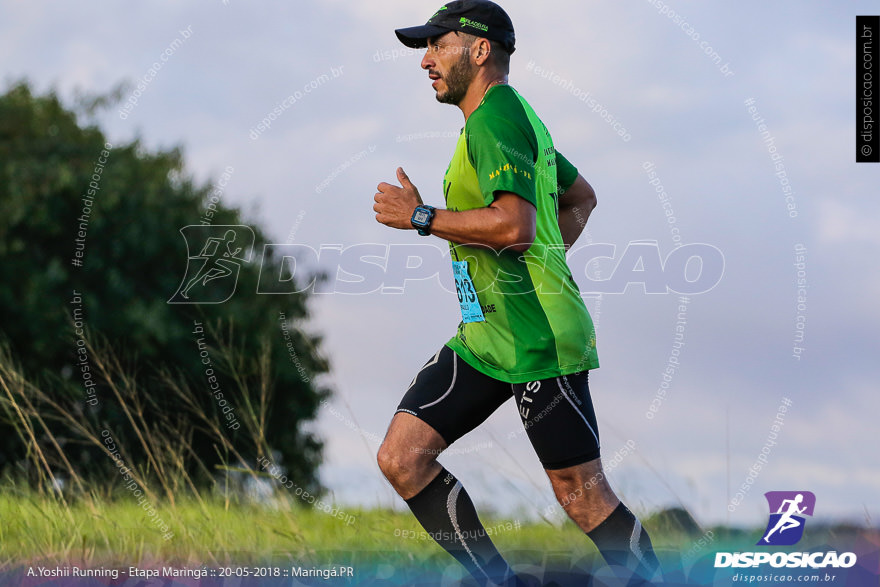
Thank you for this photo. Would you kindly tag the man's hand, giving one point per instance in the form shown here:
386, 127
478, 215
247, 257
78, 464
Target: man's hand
394, 204
509, 222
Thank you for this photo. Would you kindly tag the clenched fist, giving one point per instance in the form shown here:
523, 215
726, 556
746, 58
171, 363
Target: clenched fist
395, 204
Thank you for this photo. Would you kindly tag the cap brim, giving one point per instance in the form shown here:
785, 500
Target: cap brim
417, 36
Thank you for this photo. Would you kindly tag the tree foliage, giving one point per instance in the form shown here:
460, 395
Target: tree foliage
133, 259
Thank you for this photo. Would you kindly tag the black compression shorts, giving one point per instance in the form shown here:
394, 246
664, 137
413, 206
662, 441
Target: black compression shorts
454, 398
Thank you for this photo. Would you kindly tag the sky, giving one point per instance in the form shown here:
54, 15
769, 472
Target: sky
752, 151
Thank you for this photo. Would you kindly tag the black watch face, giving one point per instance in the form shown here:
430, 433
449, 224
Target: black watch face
420, 216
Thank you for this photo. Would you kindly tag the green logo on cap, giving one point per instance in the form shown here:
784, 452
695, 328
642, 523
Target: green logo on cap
473, 24
436, 13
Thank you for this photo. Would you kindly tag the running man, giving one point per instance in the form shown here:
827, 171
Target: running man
514, 205
786, 521
216, 265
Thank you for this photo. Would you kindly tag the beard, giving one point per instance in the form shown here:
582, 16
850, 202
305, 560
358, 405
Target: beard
458, 80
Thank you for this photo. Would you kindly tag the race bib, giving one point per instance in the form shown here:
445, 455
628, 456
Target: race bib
467, 294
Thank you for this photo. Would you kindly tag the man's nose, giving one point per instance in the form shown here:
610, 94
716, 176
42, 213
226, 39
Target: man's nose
427, 62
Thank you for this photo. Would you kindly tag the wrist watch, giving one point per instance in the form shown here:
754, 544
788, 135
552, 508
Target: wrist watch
421, 219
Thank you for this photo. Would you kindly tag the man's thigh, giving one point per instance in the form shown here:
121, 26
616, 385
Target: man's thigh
451, 396
559, 419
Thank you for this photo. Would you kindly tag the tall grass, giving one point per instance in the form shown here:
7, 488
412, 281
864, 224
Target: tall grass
164, 437
82, 512
36, 530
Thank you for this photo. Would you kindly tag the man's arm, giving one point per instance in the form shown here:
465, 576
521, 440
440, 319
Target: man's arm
575, 205
509, 222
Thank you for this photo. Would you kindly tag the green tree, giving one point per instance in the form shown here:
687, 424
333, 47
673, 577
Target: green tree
133, 259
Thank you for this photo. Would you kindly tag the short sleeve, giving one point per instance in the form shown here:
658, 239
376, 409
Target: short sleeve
566, 173
503, 155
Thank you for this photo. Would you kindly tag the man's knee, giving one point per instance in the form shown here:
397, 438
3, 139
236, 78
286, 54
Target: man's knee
397, 464
568, 490
564, 478
389, 464
586, 482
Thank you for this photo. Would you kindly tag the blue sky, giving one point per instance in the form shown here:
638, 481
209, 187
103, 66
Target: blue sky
795, 60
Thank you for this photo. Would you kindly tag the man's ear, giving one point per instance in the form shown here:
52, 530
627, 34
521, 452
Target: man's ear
480, 50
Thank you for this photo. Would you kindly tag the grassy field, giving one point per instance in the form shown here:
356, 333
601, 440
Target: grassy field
181, 523
41, 530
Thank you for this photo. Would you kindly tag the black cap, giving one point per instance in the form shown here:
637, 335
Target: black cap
480, 18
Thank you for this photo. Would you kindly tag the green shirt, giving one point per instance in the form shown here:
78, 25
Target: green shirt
536, 323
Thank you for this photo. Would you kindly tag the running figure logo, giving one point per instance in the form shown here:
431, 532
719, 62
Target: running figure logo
221, 250
786, 525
